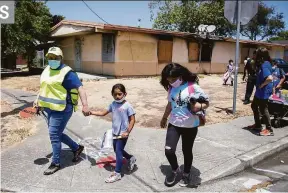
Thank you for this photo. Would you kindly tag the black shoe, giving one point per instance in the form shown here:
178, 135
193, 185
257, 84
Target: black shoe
170, 179
246, 102
77, 153
185, 180
52, 169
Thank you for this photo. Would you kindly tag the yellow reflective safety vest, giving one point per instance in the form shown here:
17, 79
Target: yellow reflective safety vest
52, 94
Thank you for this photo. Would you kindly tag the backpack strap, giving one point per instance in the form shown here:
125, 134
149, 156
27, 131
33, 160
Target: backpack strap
190, 88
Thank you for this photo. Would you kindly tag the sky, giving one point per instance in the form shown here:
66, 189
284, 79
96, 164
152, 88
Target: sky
123, 12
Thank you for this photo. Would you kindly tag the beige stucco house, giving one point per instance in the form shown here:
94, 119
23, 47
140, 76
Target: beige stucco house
131, 51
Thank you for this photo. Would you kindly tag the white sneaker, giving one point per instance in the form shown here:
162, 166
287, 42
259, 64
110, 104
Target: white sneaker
131, 164
113, 178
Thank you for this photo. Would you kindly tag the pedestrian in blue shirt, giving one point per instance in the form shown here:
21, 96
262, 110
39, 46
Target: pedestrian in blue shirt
278, 78
264, 89
123, 120
58, 97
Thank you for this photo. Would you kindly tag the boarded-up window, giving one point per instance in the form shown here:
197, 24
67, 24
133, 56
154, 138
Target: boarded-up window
193, 51
108, 48
165, 51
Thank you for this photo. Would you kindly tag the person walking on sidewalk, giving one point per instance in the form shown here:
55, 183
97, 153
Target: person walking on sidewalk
123, 120
250, 70
176, 79
58, 96
264, 88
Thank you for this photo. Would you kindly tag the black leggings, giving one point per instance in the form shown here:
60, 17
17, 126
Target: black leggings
261, 106
172, 137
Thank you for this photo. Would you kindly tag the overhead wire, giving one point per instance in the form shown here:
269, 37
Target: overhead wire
94, 12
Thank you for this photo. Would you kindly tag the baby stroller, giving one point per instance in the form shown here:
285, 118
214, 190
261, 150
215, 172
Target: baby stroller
278, 107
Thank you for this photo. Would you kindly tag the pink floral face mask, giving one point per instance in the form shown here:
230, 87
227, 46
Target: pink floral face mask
177, 83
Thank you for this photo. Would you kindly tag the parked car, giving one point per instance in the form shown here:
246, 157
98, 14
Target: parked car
279, 61
284, 65
281, 64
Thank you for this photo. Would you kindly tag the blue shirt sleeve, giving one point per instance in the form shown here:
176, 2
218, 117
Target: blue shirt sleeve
110, 108
266, 70
71, 81
130, 111
266, 73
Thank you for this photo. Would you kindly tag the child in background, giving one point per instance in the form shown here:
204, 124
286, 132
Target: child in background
123, 120
229, 74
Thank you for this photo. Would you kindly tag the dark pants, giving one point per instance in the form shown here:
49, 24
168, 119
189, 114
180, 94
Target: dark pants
262, 106
251, 83
119, 145
188, 136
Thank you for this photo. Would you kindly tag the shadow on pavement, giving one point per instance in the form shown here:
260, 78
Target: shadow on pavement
41, 161
110, 166
195, 180
253, 131
66, 159
227, 110
49, 155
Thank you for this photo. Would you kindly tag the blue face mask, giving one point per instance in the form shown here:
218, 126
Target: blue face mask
54, 64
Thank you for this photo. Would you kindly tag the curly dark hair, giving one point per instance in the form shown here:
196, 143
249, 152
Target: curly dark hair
176, 70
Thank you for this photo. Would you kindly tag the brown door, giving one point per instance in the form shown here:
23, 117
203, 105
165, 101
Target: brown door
165, 48
193, 51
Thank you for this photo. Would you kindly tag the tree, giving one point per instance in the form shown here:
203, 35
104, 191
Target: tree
187, 15
283, 35
33, 22
267, 23
56, 19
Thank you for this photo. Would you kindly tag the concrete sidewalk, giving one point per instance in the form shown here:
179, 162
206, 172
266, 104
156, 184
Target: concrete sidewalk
219, 150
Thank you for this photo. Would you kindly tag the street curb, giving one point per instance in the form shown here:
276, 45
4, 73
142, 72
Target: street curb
248, 159
253, 157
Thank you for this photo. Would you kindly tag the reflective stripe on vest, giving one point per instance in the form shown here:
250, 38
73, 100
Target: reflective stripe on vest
55, 101
52, 94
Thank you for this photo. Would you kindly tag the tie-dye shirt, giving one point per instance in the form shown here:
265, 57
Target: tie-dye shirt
180, 115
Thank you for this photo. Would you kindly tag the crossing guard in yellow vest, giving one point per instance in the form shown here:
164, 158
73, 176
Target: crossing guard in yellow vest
52, 93
58, 96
